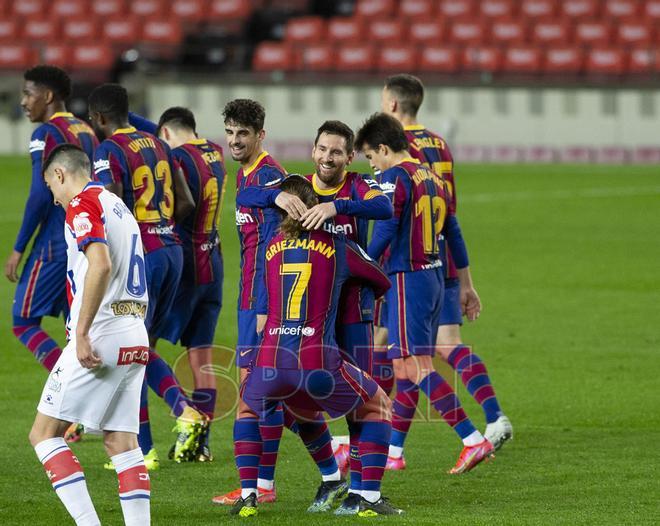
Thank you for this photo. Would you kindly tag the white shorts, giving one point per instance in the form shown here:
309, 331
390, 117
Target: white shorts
106, 398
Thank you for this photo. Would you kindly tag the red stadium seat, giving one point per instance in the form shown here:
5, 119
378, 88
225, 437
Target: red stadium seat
109, 7
467, 32
651, 10
558, 32
375, 8
305, 29
497, 8
28, 8
593, 33
40, 29
317, 57
93, 57
189, 10
120, 31
522, 59
342, 29
229, 10
563, 60
148, 8
581, 9
622, 8
456, 8
56, 54
355, 58
430, 31
162, 31
385, 30
643, 60
635, 33
440, 59
273, 56
606, 60
69, 8
539, 9
15, 56
417, 9
9, 30
75, 29
482, 59
508, 31
397, 58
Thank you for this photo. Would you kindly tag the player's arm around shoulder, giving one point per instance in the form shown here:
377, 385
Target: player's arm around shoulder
368, 201
107, 169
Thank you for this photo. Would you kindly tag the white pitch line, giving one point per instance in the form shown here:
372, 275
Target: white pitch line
559, 194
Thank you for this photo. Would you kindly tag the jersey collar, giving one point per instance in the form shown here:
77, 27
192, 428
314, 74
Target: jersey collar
409, 160
130, 129
414, 127
251, 168
328, 191
196, 141
61, 114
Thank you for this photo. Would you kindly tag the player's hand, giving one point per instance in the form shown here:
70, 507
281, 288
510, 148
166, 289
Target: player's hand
470, 303
314, 218
261, 322
291, 204
11, 267
86, 356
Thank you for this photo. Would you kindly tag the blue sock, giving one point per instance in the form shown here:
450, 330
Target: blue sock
318, 441
374, 443
354, 432
271, 433
144, 435
162, 381
445, 402
247, 450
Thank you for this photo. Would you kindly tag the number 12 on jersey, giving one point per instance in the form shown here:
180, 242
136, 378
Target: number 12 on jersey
433, 211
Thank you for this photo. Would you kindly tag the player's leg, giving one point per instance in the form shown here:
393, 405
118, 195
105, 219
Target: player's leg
63, 468
40, 292
205, 394
383, 371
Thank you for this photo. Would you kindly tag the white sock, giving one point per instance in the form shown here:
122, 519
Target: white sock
68, 480
245, 493
395, 451
473, 439
371, 496
134, 487
356, 491
265, 484
333, 477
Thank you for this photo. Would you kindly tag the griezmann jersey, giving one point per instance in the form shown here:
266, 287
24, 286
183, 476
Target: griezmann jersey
357, 200
40, 210
304, 278
203, 166
98, 216
414, 234
432, 150
256, 227
143, 164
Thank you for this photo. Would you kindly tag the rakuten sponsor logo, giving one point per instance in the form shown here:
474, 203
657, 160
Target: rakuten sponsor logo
243, 218
292, 331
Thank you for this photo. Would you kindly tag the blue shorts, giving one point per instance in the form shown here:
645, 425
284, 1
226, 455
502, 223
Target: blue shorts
338, 392
452, 313
248, 339
356, 341
380, 312
164, 267
414, 304
41, 289
194, 315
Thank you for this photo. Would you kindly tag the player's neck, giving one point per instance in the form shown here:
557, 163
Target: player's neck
398, 157
252, 159
334, 183
56, 107
407, 120
114, 126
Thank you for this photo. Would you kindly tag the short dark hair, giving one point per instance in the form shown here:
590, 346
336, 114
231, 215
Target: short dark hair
71, 156
52, 78
381, 128
299, 186
178, 117
245, 112
110, 100
408, 91
337, 128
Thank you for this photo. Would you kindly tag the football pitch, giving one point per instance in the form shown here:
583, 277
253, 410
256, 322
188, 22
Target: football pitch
565, 259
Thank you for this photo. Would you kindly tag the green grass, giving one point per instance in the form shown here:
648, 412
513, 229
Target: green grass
565, 259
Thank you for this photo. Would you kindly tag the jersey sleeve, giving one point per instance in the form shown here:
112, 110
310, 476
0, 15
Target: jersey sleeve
452, 232
142, 123
368, 201
395, 188
262, 195
361, 266
87, 222
108, 166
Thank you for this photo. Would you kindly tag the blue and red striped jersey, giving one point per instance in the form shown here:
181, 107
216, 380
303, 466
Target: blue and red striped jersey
304, 279
203, 166
143, 164
40, 210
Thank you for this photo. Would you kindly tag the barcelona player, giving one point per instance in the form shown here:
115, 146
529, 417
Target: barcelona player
41, 287
194, 315
139, 168
421, 218
402, 97
299, 363
244, 129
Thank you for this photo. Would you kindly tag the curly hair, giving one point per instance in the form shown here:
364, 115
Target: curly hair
110, 100
51, 77
381, 128
299, 186
245, 112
